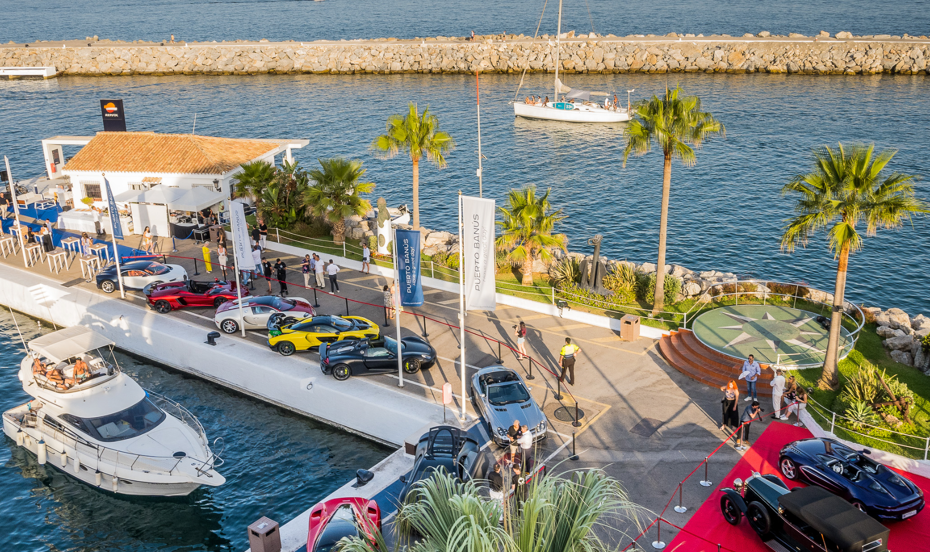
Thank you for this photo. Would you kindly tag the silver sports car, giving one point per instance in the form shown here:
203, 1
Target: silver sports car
500, 396
258, 309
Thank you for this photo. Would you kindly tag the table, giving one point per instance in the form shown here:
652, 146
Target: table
71, 244
82, 220
90, 264
33, 253
15, 231
57, 260
7, 242
182, 230
97, 248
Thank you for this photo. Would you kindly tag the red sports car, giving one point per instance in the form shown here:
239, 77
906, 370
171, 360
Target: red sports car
334, 519
177, 295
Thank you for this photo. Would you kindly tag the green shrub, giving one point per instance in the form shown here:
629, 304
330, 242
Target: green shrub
452, 261
440, 259
566, 273
925, 343
617, 301
646, 287
373, 243
502, 262
87, 200
622, 279
861, 413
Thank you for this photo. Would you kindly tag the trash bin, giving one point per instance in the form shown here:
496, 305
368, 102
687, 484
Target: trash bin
629, 327
264, 536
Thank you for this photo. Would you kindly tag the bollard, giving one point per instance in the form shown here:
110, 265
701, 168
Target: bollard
164, 259
558, 389
385, 316
680, 508
705, 482
424, 334
530, 376
574, 455
316, 304
658, 544
500, 359
347, 305
576, 423
195, 268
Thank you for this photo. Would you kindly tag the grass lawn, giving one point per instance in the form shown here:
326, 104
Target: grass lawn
869, 347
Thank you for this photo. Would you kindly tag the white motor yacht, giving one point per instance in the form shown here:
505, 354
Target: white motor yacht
97, 424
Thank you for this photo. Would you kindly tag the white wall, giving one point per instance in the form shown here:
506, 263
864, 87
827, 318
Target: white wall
120, 182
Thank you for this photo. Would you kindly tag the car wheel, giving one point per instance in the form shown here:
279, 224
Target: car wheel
219, 301
108, 286
229, 326
412, 366
286, 348
759, 519
730, 510
342, 372
162, 306
788, 468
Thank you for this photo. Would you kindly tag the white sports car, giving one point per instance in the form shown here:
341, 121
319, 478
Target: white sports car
257, 310
138, 274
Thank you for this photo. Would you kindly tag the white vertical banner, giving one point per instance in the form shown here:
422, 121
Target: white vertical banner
478, 251
240, 234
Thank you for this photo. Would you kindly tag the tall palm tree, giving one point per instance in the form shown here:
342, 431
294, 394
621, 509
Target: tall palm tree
559, 514
847, 188
526, 229
418, 136
253, 179
676, 124
334, 193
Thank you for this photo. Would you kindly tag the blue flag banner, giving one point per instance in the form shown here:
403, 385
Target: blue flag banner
114, 213
408, 267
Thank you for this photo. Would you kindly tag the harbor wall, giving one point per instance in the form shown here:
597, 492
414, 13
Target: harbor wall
821, 55
359, 405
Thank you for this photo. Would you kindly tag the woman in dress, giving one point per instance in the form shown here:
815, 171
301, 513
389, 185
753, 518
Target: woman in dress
729, 402
388, 303
147, 244
221, 256
800, 405
86, 242
521, 339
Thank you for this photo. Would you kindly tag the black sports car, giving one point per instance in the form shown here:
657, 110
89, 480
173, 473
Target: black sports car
866, 484
358, 357
807, 519
451, 449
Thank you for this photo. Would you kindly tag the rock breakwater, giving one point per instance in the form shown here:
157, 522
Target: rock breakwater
823, 54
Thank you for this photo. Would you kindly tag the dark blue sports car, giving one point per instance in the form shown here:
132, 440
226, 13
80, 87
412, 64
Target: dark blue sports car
866, 484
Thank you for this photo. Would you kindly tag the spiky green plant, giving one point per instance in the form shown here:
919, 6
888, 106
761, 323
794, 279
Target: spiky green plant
565, 273
621, 278
860, 413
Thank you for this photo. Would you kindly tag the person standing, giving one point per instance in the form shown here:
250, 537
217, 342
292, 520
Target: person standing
222, 258
496, 484
525, 440
318, 269
262, 233
257, 260
791, 394
305, 269
267, 271
147, 243
388, 302
778, 388
256, 235
280, 270
95, 212
206, 257
799, 405
366, 259
751, 371
86, 242
752, 413
331, 271
567, 356
729, 403
521, 339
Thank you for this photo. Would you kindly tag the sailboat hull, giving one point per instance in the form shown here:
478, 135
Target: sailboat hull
578, 114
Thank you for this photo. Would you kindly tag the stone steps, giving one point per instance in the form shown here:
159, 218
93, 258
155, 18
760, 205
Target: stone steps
692, 358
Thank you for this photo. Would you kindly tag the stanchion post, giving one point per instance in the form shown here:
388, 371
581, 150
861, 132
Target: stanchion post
680, 508
530, 375
164, 259
347, 305
385, 316
316, 303
558, 389
196, 273
577, 422
658, 544
500, 359
705, 482
424, 334
574, 455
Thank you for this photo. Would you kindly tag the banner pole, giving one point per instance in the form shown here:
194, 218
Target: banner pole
16, 223
395, 297
236, 267
115, 228
462, 309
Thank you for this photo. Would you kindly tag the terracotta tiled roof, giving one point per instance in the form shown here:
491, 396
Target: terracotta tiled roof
148, 152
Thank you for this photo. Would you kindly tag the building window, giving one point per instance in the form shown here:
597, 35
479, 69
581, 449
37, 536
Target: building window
92, 190
138, 186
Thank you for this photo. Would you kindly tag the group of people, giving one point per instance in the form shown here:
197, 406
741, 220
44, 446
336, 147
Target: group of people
54, 375
516, 462
539, 101
787, 398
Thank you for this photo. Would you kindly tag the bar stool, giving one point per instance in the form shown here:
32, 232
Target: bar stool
33, 253
7, 245
71, 244
90, 264
97, 248
57, 260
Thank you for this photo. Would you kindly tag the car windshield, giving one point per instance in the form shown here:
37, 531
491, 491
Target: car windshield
133, 421
391, 345
341, 525
157, 268
341, 324
507, 393
282, 305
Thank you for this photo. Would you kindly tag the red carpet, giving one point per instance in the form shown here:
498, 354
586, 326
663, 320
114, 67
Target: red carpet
708, 523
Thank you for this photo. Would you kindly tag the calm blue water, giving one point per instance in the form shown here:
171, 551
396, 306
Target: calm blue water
336, 19
725, 213
277, 464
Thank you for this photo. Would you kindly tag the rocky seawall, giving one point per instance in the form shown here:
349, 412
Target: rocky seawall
822, 55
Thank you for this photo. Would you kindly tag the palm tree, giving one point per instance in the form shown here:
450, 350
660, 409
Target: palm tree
676, 124
253, 179
526, 229
334, 193
559, 514
418, 136
846, 188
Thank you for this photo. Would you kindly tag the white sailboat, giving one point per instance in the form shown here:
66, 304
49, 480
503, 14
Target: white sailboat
95, 423
581, 111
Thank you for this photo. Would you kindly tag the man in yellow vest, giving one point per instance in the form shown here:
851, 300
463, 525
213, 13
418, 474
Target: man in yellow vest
567, 360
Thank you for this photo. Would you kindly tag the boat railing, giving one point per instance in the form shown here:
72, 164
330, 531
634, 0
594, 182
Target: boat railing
212, 459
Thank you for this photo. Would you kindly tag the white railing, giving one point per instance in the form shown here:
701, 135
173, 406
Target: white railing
829, 416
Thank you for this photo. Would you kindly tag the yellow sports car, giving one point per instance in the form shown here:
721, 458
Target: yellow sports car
286, 337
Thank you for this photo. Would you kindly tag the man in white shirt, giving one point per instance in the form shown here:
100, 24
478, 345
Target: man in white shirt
96, 213
778, 389
318, 270
257, 259
331, 271
525, 440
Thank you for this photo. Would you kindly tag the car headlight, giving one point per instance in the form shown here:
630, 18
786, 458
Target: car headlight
541, 428
502, 432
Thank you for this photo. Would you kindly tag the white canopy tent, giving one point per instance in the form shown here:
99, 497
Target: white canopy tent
196, 199
68, 343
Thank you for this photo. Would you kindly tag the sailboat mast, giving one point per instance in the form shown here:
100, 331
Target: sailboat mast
558, 49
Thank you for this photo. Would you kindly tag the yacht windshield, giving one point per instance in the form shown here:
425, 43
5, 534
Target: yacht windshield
131, 422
